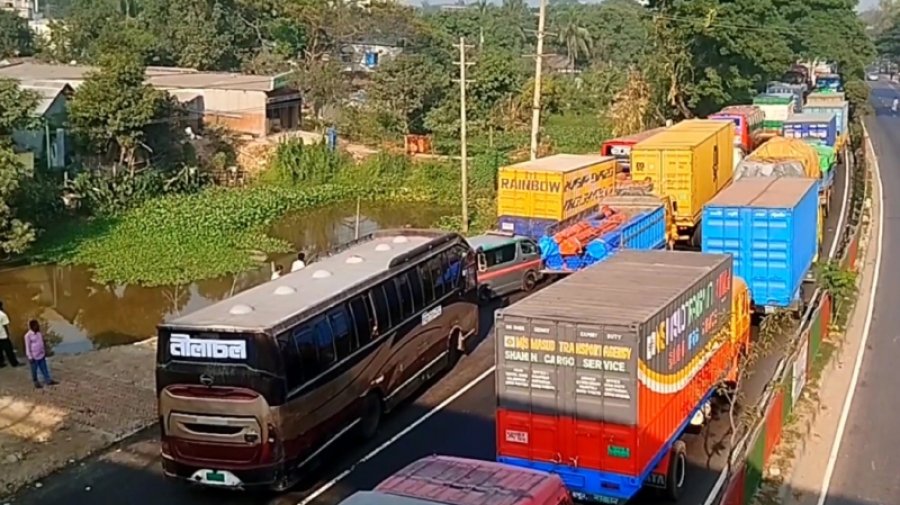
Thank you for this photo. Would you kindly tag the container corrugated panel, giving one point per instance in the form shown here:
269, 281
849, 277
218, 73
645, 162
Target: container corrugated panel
831, 98
797, 90
841, 110
780, 149
555, 187
767, 226
812, 126
619, 349
776, 112
689, 162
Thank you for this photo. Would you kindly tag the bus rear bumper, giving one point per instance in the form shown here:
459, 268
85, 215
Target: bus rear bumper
224, 477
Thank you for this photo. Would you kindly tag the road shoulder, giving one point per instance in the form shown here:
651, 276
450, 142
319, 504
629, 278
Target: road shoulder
103, 397
817, 425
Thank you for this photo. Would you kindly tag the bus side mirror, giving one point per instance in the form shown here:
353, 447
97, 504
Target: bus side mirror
482, 262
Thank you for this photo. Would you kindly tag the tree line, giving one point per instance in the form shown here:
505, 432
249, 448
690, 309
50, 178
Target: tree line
620, 66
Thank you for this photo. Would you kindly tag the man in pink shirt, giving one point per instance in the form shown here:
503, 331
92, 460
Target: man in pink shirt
37, 354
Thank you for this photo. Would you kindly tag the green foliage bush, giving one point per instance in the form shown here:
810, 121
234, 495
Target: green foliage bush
180, 238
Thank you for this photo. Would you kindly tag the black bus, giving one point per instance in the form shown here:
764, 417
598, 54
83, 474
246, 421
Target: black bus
253, 388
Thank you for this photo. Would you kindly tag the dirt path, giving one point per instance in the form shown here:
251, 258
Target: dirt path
103, 397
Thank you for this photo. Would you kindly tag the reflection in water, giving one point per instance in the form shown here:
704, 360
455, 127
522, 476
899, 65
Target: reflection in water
78, 314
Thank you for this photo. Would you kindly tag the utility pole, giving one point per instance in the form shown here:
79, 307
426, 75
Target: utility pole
464, 159
538, 67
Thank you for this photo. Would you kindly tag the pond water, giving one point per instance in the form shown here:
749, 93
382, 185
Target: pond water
78, 314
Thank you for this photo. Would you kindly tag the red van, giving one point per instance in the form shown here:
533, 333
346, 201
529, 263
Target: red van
446, 480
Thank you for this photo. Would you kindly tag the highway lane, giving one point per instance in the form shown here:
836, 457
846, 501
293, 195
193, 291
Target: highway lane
865, 472
464, 426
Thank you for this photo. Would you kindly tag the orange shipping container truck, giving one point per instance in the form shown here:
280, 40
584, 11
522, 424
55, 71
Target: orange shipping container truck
601, 374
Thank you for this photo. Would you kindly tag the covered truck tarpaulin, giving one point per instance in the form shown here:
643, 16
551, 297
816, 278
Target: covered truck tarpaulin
783, 152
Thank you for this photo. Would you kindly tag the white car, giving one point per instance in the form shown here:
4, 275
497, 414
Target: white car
872, 77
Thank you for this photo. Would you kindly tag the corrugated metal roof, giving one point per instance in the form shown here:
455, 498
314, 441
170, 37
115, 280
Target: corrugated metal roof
47, 91
764, 192
163, 77
626, 289
561, 162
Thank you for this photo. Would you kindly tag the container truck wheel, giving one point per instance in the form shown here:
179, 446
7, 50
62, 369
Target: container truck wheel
677, 471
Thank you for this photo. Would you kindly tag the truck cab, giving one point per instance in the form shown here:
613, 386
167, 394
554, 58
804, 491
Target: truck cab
506, 263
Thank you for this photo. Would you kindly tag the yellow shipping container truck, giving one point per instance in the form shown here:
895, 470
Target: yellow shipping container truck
690, 163
555, 187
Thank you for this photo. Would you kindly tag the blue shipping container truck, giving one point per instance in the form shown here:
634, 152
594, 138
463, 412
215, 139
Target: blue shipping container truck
842, 113
770, 227
822, 126
798, 90
644, 229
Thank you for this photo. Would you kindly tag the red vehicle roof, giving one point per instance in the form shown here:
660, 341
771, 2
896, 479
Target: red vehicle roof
635, 138
739, 109
458, 481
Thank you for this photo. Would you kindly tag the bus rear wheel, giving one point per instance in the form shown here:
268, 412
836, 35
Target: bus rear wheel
371, 418
453, 351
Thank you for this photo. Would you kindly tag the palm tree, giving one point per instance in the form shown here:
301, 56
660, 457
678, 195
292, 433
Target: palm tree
576, 38
517, 11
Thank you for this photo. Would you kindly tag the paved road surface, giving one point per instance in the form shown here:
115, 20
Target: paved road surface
866, 472
465, 427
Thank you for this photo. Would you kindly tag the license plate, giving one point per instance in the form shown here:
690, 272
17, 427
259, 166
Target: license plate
215, 477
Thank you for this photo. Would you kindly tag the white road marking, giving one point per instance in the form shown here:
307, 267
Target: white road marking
848, 402
330, 484
841, 216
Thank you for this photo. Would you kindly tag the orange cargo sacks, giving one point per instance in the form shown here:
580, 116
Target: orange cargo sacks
573, 239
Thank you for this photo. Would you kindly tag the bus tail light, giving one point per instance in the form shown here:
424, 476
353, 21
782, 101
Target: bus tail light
271, 447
